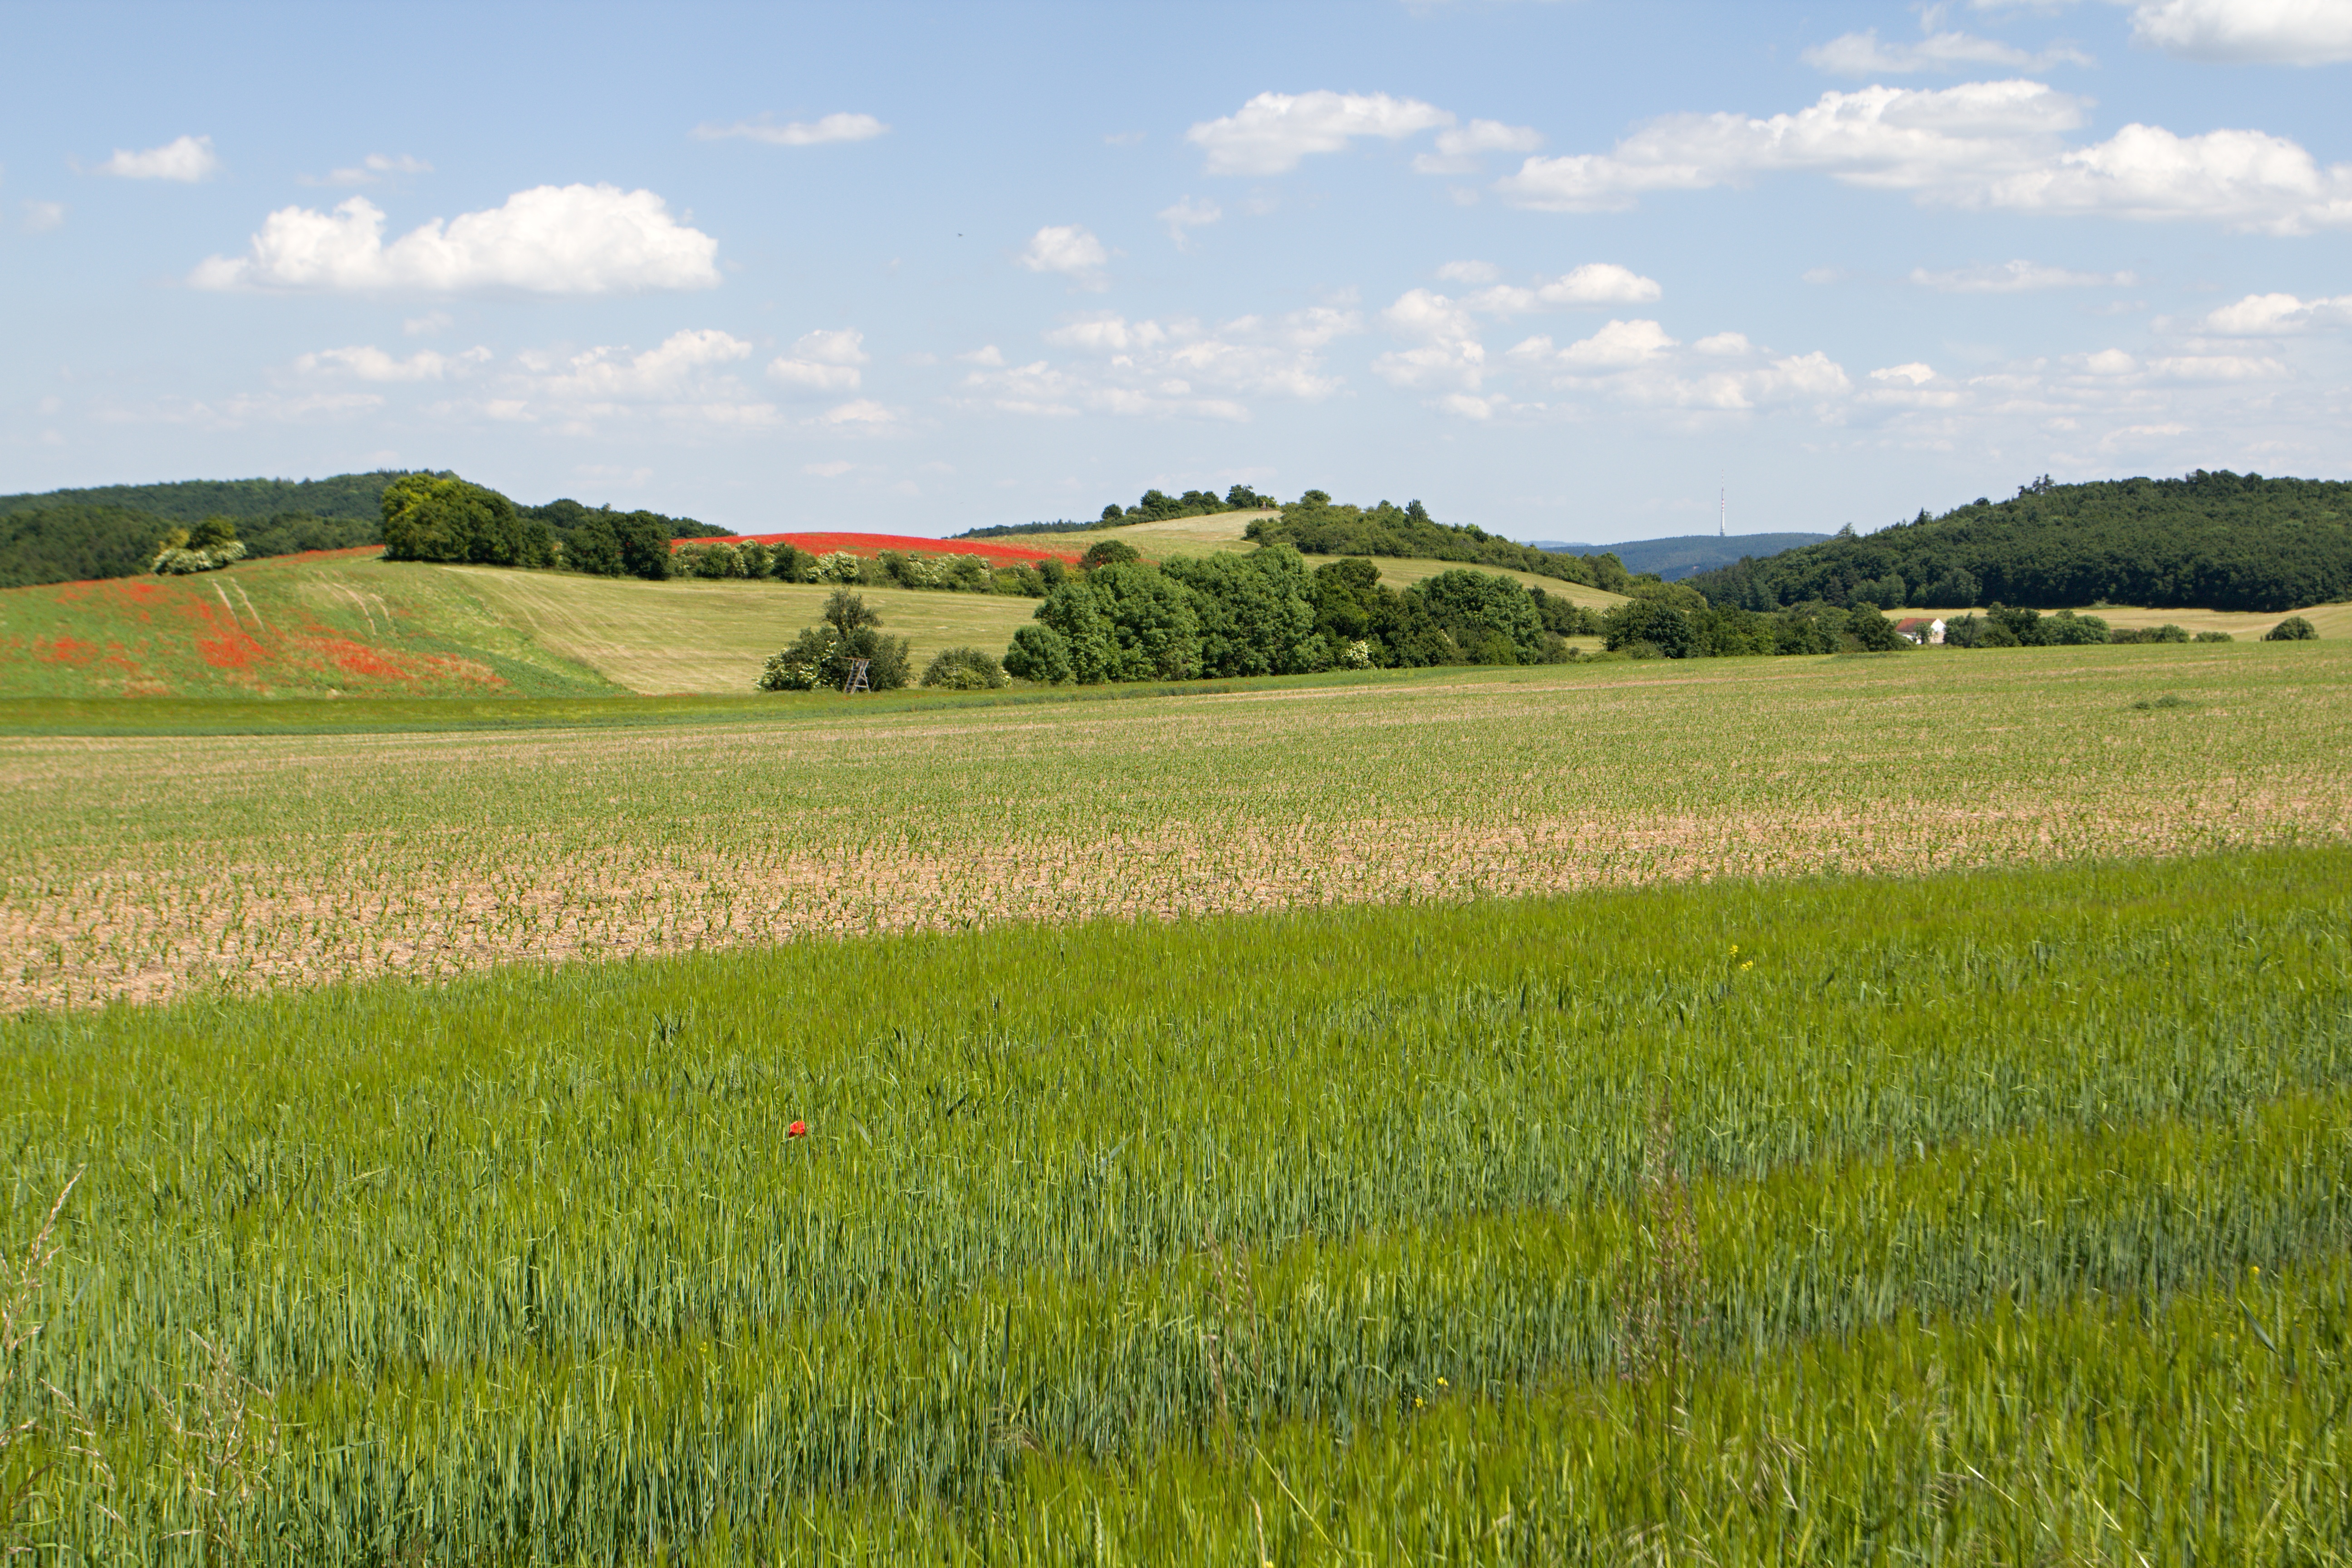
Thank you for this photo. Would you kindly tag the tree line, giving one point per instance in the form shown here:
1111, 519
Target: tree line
1266, 612
2216, 541
1154, 506
1316, 525
440, 517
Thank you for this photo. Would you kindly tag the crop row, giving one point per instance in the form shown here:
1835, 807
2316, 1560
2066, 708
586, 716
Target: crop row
532, 1263
145, 869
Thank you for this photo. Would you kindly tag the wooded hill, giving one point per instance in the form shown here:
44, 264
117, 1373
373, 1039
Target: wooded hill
1316, 525
1678, 556
113, 530
2210, 540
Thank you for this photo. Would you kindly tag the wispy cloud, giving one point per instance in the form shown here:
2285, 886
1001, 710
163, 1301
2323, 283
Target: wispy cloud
797, 134
371, 170
1864, 55
2016, 278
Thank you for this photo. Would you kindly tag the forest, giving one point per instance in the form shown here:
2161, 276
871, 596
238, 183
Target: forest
2213, 540
1316, 525
114, 530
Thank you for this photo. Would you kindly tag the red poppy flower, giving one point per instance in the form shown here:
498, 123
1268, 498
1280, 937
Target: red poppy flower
797, 1130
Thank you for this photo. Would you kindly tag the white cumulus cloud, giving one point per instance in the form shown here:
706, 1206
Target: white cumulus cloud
1997, 144
551, 240
1274, 131
2277, 315
661, 372
2016, 278
2264, 32
40, 217
1595, 283
823, 362
184, 158
797, 134
1636, 364
1069, 249
1447, 352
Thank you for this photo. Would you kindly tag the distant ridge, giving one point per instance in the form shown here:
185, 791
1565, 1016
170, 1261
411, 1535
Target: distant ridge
1687, 552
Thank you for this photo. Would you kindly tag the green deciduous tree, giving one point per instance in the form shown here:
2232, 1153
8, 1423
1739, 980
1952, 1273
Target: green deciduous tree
432, 517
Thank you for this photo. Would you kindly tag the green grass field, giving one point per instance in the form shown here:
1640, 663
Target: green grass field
143, 866
1995, 1216
716, 637
1877, 1109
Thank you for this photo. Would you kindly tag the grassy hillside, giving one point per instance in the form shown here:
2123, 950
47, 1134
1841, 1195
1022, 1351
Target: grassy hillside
315, 625
698, 635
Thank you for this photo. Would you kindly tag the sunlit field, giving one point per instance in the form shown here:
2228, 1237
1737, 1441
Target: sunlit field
1993, 1217
142, 867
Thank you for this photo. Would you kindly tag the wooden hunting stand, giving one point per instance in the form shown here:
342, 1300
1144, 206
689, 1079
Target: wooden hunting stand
858, 681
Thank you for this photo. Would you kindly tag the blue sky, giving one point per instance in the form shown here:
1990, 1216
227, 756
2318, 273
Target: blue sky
1556, 268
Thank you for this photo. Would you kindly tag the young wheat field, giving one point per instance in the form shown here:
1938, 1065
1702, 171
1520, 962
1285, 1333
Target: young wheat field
1995, 1218
1806, 1110
141, 868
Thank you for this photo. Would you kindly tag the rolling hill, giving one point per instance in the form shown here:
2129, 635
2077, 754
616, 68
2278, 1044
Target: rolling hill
1683, 553
2209, 541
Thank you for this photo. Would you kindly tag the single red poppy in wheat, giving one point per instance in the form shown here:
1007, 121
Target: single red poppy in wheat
797, 1130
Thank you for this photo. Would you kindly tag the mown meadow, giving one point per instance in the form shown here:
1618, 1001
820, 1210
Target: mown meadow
1984, 1216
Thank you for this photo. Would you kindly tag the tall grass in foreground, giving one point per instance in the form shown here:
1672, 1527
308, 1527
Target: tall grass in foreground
1127, 1243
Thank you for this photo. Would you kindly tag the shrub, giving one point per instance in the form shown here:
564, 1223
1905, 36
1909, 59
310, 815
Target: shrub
965, 669
2294, 628
1039, 653
1873, 631
838, 566
1665, 630
821, 654
207, 547
1107, 552
1490, 615
710, 561
2069, 630
2213, 637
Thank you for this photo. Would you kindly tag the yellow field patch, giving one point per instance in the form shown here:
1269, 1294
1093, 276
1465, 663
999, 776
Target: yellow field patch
696, 634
